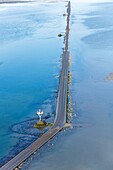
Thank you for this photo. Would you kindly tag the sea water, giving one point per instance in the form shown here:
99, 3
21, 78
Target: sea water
90, 146
30, 61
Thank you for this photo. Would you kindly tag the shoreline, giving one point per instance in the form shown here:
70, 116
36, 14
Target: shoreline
15, 1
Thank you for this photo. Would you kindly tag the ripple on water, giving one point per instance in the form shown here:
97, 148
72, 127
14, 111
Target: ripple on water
25, 133
100, 40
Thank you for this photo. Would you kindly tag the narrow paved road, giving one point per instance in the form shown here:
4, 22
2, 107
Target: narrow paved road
60, 111
62, 94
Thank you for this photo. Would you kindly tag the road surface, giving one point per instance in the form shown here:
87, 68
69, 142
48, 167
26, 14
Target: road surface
60, 111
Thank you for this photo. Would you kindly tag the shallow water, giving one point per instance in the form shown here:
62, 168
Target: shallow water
30, 54
89, 147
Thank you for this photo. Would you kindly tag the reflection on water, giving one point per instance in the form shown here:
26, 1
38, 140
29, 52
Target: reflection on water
89, 148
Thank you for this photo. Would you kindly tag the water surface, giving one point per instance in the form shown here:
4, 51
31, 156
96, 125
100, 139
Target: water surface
89, 147
30, 52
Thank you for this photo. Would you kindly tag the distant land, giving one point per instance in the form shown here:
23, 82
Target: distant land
14, 1
24, 1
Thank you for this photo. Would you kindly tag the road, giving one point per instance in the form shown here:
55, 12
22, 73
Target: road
62, 94
61, 107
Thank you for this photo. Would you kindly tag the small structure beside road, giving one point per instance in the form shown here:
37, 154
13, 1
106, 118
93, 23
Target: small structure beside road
39, 113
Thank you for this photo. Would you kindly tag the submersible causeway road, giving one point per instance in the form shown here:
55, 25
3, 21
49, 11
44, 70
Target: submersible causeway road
60, 111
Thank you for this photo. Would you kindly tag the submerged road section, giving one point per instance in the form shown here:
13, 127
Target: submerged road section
60, 109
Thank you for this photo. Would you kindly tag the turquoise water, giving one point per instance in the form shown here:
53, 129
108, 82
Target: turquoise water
91, 146
30, 52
